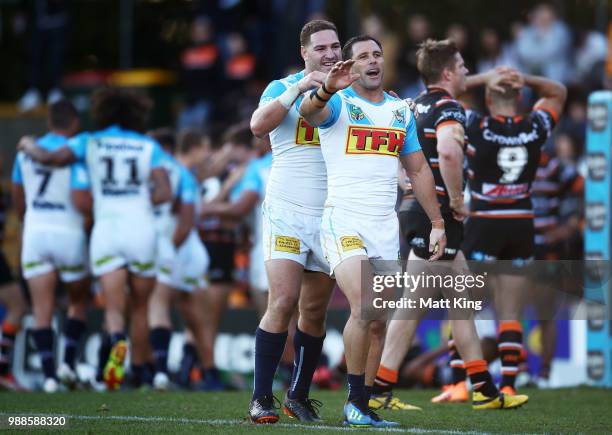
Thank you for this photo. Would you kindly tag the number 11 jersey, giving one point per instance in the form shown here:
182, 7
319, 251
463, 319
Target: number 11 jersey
119, 163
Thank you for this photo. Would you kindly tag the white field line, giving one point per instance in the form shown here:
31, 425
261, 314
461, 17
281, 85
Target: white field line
222, 422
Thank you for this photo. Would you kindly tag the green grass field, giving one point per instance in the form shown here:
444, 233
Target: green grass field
584, 410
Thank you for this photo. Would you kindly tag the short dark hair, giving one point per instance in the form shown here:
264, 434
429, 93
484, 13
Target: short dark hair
313, 27
433, 56
239, 134
347, 50
189, 139
123, 107
165, 136
62, 114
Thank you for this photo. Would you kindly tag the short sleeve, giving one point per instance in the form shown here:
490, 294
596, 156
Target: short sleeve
411, 141
272, 91
188, 190
16, 176
335, 107
79, 177
544, 120
251, 179
157, 156
449, 111
78, 146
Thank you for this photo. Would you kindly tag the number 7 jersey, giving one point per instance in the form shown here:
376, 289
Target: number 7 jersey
47, 189
119, 163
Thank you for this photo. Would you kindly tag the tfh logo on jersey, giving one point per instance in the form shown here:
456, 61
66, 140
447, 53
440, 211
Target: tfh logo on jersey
306, 134
372, 140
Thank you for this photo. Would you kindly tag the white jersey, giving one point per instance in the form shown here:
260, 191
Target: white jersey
298, 178
119, 163
48, 189
361, 142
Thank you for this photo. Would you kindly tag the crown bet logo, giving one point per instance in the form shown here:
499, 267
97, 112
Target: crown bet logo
596, 215
597, 165
598, 116
595, 365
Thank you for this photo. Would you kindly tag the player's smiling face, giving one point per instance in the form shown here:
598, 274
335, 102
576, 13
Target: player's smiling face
369, 64
323, 51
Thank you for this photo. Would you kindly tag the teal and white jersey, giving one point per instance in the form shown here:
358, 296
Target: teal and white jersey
298, 179
361, 142
256, 178
119, 163
184, 190
47, 189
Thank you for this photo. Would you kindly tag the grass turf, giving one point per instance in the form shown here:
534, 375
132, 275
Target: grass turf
585, 410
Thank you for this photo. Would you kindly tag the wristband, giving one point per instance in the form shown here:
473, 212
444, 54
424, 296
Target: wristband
324, 88
288, 97
437, 221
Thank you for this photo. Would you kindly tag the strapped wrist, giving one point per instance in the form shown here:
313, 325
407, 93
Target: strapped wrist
324, 89
288, 97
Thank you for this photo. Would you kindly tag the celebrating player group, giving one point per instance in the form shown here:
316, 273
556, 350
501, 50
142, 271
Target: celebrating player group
341, 146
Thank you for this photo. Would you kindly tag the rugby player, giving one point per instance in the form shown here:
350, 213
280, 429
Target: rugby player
503, 157
292, 212
55, 205
363, 131
127, 179
182, 258
440, 121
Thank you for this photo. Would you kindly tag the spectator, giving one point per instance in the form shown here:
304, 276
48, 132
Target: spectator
373, 25
544, 45
418, 30
459, 34
590, 58
49, 27
494, 53
200, 64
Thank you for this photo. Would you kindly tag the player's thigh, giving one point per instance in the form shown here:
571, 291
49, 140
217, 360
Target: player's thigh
105, 253
139, 244
283, 235
35, 258
71, 256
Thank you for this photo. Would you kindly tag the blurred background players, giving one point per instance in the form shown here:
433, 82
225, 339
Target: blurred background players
290, 245
55, 205
122, 164
182, 259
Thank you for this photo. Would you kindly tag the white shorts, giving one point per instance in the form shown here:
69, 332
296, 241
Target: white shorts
116, 244
345, 234
46, 249
292, 235
258, 279
184, 269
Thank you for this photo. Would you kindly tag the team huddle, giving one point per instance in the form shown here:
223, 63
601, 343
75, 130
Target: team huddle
341, 145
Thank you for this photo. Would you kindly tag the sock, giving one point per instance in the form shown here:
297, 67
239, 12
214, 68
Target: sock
141, 375
481, 378
211, 374
307, 352
187, 363
368, 392
386, 379
269, 349
509, 344
103, 354
160, 341
455, 362
357, 391
73, 330
117, 337
43, 338
9, 332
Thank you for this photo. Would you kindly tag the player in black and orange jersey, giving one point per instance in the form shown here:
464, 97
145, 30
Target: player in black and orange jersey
503, 156
441, 124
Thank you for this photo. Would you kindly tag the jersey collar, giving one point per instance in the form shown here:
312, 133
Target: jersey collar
351, 93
